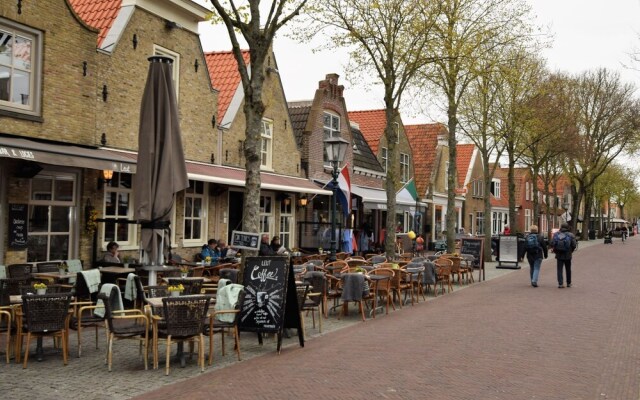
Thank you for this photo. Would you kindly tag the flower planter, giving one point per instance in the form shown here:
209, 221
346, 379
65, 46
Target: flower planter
184, 275
62, 271
41, 291
174, 293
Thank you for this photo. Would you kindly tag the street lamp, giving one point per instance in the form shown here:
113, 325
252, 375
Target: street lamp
336, 148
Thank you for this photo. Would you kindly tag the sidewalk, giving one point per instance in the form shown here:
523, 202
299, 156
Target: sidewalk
501, 339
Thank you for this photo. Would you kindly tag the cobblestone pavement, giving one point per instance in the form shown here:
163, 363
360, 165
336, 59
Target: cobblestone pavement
474, 340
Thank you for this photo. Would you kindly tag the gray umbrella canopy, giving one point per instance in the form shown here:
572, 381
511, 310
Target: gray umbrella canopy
161, 171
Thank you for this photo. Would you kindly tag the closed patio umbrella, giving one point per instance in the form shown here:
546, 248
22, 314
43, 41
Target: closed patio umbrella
161, 171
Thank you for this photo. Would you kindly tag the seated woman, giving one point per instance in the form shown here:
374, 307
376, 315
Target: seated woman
276, 247
112, 255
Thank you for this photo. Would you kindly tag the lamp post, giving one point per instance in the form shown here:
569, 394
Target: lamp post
336, 148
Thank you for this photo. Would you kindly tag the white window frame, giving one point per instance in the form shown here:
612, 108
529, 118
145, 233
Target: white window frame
55, 176
528, 218
496, 188
446, 175
384, 154
203, 219
287, 217
267, 215
35, 81
526, 191
162, 51
404, 167
266, 144
132, 243
329, 131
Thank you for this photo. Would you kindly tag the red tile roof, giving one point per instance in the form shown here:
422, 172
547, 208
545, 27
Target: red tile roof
464, 152
372, 124
98, 14
424, 140
223, 70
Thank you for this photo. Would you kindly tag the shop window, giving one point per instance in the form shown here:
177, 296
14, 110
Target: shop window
195, 213
118, 205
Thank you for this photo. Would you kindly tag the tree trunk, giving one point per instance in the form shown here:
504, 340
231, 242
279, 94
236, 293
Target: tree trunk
392, 178
511, 188
487, 208
451, 177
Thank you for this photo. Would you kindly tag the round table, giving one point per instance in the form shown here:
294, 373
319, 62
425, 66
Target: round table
153, 272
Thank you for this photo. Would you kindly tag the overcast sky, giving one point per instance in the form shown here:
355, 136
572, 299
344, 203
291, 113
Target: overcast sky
587, 34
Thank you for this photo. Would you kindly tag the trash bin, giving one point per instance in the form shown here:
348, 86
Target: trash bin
593, 234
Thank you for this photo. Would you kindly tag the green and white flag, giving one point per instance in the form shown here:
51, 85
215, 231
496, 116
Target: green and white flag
408, 191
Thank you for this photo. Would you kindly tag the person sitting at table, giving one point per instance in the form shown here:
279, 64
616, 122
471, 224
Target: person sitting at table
265, 248
210, 250
112, 255
222, 249
276, 246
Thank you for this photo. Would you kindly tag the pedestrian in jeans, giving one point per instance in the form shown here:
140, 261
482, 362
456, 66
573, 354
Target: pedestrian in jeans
535, 254
564, 243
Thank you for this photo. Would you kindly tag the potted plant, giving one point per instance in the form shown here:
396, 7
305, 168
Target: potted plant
184, 271
207, 260
175, 290
320, 251
62, 268
360, 270
41, 288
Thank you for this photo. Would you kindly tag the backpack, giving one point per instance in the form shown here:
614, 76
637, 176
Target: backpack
532, 242
562, 242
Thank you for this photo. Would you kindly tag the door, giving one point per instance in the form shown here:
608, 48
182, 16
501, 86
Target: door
236, 207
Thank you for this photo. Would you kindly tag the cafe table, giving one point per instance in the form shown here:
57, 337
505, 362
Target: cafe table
204, 279
54, 275
153, 272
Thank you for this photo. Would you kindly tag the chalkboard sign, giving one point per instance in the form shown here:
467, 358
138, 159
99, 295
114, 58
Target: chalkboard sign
245, 240
18, 226
475, 247
265, 283
508, 250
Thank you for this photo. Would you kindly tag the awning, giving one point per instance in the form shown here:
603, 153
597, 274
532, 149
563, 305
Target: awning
236, 177
376, 199
63, 154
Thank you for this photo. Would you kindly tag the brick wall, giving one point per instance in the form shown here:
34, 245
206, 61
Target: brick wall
68, 109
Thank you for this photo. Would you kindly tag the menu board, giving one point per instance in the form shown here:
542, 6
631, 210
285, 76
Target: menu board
475, 247
18, 232
508, 249
245, 240
265, 283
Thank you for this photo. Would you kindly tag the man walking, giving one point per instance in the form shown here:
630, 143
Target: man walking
564, 243
536, 249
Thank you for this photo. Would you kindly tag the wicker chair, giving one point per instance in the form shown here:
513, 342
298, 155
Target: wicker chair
383, 287
355, 262
376, 258
6, 315
336, 266
124, 324
466, 265
401, 283
354, 291
317, 297
443, 274
44, 315
456, 269
184, 320
49, 266
417, 269
230, 274
221, 327
83, 308
19, 271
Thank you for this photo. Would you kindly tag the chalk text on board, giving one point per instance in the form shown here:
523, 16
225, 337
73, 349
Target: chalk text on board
264, 275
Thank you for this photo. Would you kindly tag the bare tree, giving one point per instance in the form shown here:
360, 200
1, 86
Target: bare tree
245, 19
607, 120
387, 38
465, 31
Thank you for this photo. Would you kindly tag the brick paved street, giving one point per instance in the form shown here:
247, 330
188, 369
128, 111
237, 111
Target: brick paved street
501, 339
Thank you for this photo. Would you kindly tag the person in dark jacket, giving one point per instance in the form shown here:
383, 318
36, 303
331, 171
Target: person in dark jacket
265, 248
563, 257
535, 255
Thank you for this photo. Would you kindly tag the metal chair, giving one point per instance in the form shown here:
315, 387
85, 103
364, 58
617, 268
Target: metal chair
49, 266
317, 297
124, 324
218, 326
20, 271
